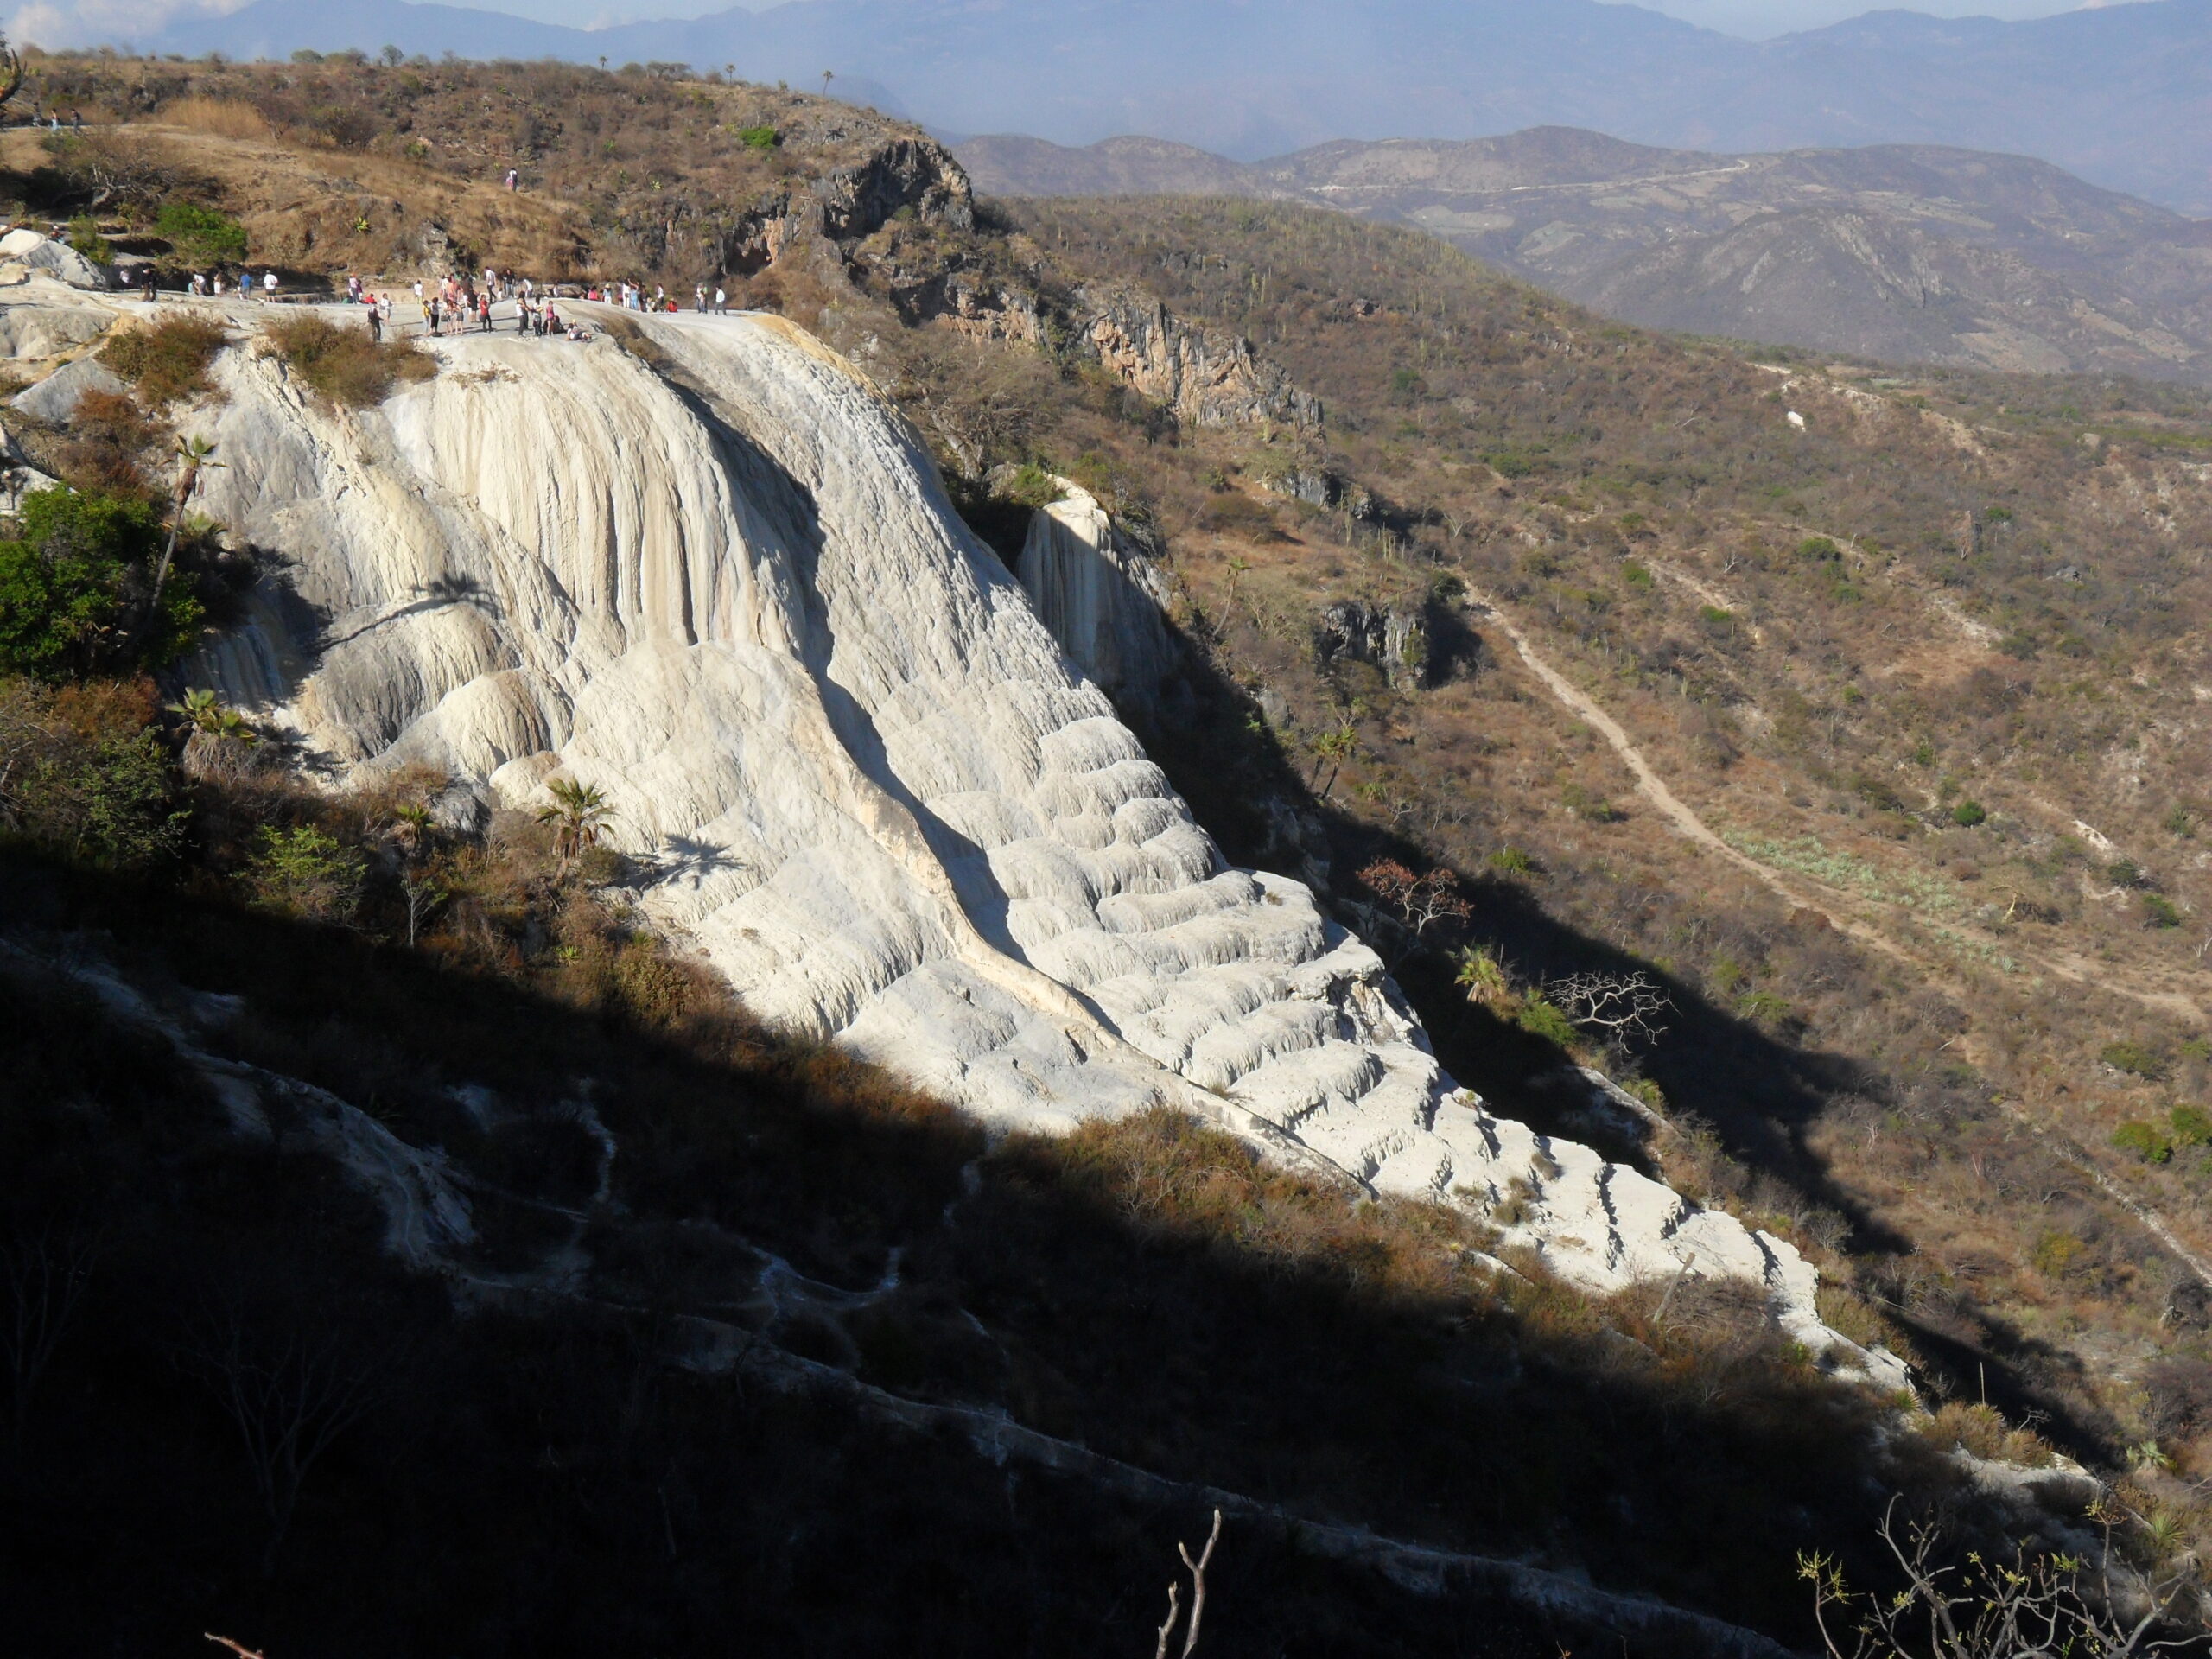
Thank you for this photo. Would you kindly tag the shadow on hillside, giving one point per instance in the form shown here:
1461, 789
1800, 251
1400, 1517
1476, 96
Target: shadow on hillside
532, 1476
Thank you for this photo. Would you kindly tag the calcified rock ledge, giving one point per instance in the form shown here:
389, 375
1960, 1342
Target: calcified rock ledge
707, 569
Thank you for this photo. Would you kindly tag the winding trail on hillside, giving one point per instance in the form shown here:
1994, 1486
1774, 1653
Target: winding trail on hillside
1826, 902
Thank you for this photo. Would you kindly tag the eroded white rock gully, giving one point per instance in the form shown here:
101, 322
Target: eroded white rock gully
706, 568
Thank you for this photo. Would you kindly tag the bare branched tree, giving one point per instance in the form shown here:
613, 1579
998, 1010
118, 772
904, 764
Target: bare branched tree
1421, 904
1622, 1005
44, 1271
2028, 1609
289, 1397
1198, 1571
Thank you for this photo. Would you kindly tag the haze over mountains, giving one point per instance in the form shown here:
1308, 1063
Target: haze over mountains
2115, 94
1900, 251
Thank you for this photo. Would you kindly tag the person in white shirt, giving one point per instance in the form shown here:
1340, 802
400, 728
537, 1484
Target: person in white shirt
722, 303
268, 284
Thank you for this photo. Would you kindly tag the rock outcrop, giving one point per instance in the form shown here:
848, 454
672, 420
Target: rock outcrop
702, 565
1394, 638
851, 202
1205, 378
1099, 595
43, 256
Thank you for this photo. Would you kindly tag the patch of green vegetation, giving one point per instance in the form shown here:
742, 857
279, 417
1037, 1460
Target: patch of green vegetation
1031, 485
759, 138
76, 588
84, 237
1968, 814
201, 235
2134, 1059
2145, 1141
1808, 855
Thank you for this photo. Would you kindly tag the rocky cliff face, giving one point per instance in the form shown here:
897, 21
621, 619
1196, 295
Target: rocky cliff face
1204, 378
708, 570
852, 201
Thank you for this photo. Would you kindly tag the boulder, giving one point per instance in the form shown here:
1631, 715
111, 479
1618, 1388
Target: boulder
36, 330
55, 398
44, 254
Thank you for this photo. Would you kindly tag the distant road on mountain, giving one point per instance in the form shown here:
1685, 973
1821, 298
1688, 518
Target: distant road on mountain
2116, 94
1906, 252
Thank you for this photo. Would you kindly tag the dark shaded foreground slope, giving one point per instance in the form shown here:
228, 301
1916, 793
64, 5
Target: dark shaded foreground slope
516, 1464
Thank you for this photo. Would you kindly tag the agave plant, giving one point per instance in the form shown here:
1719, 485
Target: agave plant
203, 708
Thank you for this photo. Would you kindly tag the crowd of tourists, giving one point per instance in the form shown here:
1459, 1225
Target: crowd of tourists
461, 303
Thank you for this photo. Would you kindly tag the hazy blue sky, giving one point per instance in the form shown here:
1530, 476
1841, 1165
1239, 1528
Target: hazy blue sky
74, 23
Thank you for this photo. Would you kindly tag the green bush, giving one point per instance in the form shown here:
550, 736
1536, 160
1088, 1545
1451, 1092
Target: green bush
84, 237
2146, 1140
306, 872
2192, 1126
201, 235
761, 139
1511, 861
1540, 1017
1031, 485
1819, 547
2056, 1253
76, 584
87, 779
2159, 912
2133, 1058
1968, 814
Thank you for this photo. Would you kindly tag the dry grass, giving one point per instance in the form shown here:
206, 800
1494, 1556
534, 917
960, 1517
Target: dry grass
343, 364
225, 118
167, 360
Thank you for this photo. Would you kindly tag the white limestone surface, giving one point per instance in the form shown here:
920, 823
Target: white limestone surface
42, 253
725, 587
1102, 598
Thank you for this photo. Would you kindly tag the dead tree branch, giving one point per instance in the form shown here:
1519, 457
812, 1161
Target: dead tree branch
1198, 1572
1622, 1005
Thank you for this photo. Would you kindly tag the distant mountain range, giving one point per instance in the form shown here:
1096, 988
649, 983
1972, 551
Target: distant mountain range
1897, 251
2118, 95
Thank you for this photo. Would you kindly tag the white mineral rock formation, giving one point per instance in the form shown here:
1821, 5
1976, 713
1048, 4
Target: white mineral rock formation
716, 577
1101, 597
56, 259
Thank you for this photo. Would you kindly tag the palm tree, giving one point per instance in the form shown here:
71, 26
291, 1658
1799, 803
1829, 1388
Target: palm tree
578, 813
192, 456
1236, 568
828, 75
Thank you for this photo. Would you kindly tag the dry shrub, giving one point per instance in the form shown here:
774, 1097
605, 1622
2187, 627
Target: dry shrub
224, 117
107, 441
169, 360
1981, 1430
343, 364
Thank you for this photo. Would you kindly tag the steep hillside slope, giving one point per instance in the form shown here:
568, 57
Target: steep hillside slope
1905, 253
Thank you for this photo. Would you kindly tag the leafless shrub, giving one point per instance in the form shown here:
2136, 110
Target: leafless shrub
1988, 1609
1621, 1005
1198, 1571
